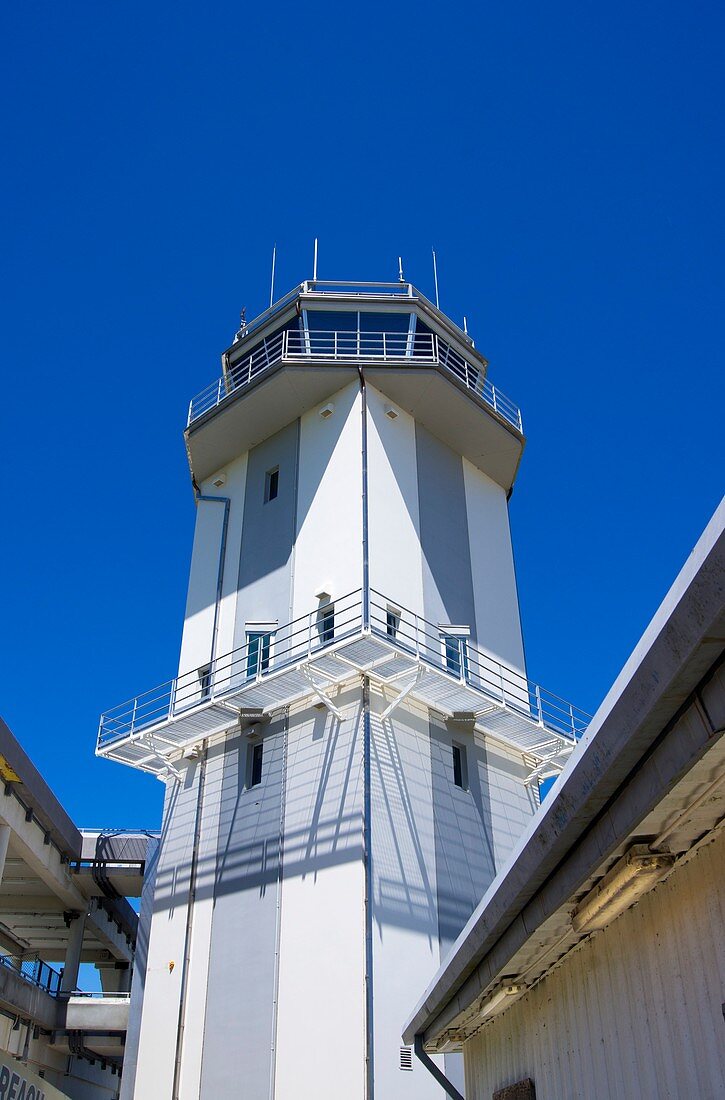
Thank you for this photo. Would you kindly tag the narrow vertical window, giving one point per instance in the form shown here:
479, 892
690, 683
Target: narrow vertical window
258, 653
271, 485
326, 623
460, 766
392, 622
205, 681
255, 764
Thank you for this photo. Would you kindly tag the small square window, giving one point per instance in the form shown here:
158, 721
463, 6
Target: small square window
255, 764
271, 485
455, 654
259, 645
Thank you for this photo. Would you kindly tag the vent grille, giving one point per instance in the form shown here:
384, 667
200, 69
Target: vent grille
406, 1058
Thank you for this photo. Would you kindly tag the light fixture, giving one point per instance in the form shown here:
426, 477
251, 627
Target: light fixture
327, 410
633, 875
501, 998
391, 412
219, 480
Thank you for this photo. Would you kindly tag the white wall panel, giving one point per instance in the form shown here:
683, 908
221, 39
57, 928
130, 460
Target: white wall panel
404, 902
157, 1044
635, 1011
328, 551
321, 994
196, 643
492, 567
394, 522
190, 1076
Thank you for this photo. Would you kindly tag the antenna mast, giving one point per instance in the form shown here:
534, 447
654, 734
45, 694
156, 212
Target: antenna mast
314, 264
401, 277
271, 289
435, 276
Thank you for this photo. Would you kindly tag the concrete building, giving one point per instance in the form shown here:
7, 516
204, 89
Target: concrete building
594, 965
351, 748
62, 903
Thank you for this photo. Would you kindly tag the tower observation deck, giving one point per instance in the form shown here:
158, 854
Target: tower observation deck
352, 744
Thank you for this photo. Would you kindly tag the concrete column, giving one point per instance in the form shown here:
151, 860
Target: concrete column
73, 953
115, 976
4, 841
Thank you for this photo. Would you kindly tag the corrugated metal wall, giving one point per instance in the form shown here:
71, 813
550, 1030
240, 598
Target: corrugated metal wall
635, 1011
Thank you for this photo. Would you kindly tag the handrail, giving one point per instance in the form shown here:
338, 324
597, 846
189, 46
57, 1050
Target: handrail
400, 348
300, 640
34, 971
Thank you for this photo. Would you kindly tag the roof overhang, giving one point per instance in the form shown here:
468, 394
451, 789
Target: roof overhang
652, 748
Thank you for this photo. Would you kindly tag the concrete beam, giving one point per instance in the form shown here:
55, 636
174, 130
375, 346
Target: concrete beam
97, 1013
102, 925
44, 859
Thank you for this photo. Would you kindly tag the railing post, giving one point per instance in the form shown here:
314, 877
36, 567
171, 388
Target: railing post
385, 348
309, 634
493, 393
172, 698
538, 704
417, 639
133, 714
219, 391
571, 712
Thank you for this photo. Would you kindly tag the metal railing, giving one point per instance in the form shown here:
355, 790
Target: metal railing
269, 654
399, 348
35, 971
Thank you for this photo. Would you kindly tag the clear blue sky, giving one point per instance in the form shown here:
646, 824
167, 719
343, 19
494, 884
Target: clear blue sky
566, 160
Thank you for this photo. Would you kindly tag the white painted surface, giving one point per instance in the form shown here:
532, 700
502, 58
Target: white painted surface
635, 1011
328, 551
234, 488
492, 568
196, 642
196, 997
405, 918
157, 1044
320, 1039
394, 522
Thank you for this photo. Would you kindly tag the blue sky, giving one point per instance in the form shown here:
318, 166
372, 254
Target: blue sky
566, 161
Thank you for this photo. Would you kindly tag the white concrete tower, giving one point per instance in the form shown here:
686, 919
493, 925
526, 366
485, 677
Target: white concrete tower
351, 747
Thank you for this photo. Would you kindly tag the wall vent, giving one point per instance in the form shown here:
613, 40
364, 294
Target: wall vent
406, 1058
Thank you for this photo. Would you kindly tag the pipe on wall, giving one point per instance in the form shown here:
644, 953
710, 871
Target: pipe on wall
433, 1069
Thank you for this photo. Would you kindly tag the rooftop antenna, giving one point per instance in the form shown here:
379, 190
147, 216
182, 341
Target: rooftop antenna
435, 276
465, 324
242, 324
401, 277
271, 289
314, 265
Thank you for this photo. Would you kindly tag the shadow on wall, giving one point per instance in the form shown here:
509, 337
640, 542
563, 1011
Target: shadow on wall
434, 844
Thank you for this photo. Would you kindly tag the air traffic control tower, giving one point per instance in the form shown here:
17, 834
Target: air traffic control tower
352, 745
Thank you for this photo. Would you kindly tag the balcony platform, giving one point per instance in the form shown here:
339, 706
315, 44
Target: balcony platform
275, 374
152, 731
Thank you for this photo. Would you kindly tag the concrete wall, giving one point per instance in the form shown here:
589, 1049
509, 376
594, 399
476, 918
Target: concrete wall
328, 547
396, 566
634, 1011
242, 950
159, 1018
404, 890
320, 1037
